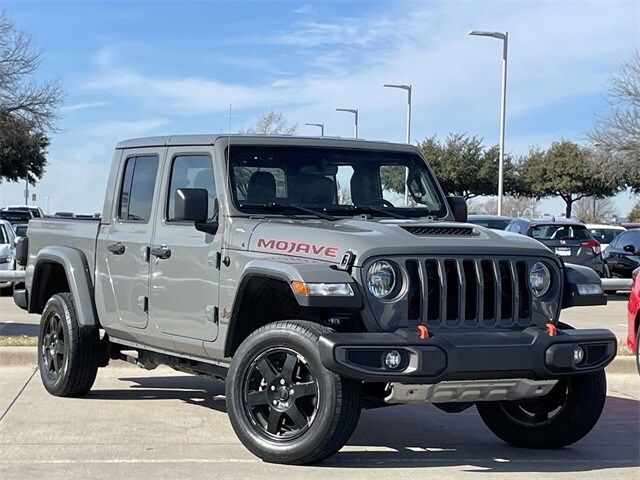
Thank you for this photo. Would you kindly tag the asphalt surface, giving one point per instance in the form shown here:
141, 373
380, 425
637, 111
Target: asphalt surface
14, 321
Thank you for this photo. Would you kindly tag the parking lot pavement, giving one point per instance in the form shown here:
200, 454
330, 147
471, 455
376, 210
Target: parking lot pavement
163, 424
14, 321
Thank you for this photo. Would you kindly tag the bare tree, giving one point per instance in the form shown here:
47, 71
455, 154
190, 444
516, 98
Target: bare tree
271, 122
21, 98
511, 207
618, 134
595, 210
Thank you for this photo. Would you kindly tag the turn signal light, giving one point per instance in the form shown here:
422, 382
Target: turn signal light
301, 288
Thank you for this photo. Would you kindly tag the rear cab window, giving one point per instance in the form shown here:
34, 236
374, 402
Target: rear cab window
138, 184
559, 232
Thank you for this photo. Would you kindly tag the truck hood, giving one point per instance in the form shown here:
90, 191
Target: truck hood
329, 241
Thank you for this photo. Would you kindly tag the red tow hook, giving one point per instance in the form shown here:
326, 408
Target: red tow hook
552, 330
423, 332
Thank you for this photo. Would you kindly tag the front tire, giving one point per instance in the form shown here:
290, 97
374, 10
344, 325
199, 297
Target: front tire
560, 418
68, 354
284, 405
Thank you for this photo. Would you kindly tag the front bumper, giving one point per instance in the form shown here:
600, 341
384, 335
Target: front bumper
475, 355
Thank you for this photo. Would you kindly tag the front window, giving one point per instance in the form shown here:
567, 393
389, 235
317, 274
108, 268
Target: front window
335, 181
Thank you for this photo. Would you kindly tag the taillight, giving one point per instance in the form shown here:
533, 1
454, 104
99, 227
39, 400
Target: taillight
592, 244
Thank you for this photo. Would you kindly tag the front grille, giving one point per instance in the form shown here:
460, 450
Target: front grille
468, 291
435, 231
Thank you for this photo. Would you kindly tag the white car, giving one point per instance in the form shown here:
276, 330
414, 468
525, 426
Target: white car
7, 250
36, 212
604, 233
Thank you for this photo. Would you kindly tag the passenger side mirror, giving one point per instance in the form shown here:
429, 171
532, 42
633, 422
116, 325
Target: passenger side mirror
629, 248
458, 206
209, 226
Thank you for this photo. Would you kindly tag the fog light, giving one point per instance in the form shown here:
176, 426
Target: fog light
578, 355
392, 359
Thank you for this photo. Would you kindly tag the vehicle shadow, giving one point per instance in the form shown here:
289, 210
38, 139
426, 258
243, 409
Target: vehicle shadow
16, 329
414, 436
191, 389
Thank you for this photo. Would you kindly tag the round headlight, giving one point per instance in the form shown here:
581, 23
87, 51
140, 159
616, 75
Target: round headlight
381, 279
539, 279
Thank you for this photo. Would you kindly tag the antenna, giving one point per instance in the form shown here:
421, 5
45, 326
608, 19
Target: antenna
229, 135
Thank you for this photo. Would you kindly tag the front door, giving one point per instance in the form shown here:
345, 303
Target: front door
185, 262
124, 245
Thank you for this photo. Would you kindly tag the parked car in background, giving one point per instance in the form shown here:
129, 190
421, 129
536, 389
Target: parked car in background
633, 317
568, 238
630, 225
36, 212
64, 215
605, 234
622, 256
495, 222
16, 217
7, 251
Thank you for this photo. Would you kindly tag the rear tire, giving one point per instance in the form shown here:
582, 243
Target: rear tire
560, 418
284, 405
68, 354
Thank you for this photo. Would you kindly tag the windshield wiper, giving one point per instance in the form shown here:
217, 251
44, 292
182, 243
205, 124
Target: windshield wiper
278, 207
369, 208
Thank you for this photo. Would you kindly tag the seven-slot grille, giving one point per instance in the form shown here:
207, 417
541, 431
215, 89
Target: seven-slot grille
471, 291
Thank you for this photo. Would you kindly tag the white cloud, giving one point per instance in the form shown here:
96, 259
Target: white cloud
121, 129
82, 106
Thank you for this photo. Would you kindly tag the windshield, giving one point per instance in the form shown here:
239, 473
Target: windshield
560, 232
335, 181
605, 235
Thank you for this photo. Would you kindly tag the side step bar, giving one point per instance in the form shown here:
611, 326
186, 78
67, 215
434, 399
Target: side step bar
469, 391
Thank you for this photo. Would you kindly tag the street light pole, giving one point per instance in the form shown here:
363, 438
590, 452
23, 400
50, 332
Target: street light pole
408, 89
321, 125
355, 118
504, 36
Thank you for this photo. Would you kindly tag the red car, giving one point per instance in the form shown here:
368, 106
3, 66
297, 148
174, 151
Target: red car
633, 317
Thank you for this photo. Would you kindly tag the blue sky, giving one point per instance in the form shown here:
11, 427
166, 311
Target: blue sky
142, 68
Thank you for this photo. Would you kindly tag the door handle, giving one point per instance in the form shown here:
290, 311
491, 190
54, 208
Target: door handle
116, 248
162, 252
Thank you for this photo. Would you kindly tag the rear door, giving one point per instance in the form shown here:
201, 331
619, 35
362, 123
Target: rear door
184, 284
125, 243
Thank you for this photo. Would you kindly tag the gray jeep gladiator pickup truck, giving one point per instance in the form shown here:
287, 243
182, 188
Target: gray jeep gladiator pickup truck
318, 276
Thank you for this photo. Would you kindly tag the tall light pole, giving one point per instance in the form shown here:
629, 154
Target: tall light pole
406, 171
355, 118
321, 125
504, 36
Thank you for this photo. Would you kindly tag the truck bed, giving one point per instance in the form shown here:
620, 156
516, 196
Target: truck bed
78, 233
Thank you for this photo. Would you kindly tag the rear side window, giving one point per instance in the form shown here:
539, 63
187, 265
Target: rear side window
138, 184
560, 232
191, 171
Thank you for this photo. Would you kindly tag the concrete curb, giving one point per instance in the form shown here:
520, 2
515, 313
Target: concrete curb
26, 356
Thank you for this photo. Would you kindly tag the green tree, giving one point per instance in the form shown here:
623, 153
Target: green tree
569, 171
462, 165
22, 151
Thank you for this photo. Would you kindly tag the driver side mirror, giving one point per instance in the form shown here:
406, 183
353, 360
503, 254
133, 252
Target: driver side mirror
629, 248
458, 206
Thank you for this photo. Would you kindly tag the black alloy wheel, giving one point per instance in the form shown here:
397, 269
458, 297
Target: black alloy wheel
281, 394
54, 346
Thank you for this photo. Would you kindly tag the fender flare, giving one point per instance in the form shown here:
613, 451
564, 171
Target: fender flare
287, 272
78, 274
